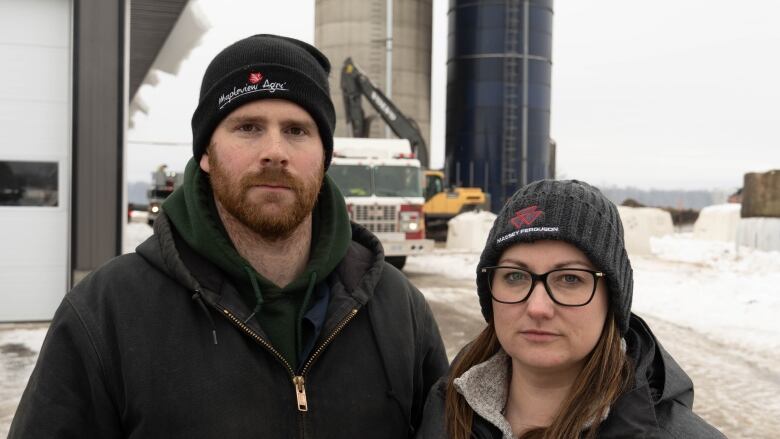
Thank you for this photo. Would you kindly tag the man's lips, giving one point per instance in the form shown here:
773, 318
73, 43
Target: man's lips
271, 186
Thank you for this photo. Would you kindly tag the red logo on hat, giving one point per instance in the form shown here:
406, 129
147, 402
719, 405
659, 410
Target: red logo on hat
255, 77
525, 217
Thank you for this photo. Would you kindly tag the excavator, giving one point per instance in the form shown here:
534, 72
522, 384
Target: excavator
441, 203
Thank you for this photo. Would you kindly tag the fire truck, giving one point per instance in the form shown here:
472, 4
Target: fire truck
442, 203
164, 182
382, 183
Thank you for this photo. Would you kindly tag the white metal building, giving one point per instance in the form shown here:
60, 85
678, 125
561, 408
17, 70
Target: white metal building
35, 156
68, 69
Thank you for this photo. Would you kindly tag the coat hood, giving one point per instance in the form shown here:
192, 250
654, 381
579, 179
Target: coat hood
660, 404
170, 254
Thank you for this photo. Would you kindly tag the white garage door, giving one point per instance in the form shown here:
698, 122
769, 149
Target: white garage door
35, 145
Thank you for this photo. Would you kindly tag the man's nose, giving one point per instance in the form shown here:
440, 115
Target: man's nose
274, 151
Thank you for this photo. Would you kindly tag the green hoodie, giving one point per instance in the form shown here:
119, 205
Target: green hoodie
279, 311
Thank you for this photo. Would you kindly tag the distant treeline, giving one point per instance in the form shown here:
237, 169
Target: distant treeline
679, 199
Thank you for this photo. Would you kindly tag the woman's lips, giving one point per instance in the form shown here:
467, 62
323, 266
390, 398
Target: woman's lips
539, 336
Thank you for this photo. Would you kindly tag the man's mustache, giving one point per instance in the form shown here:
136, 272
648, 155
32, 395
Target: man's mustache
271, 177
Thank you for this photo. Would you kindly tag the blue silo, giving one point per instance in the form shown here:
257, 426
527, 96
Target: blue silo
498, 94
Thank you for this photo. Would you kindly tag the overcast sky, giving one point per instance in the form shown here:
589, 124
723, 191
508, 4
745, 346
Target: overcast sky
662, 94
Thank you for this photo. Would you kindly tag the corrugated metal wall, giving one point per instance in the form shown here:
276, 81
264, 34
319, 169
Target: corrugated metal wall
151, 22
99, 110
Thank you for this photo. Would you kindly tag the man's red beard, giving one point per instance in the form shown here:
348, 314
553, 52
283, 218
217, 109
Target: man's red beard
234, 197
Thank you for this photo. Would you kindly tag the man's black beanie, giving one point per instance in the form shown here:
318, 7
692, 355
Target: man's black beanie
264, 67
565, 210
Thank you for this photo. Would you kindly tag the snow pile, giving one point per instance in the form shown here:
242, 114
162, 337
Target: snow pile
685, 248
718, 222
135, 234
759, 233
469, 230
451, 264
642, 223
727, 294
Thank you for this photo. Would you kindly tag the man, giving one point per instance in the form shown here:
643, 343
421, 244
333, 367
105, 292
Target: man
256, 309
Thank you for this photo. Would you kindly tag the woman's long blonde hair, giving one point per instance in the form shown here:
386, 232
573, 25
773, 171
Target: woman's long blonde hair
606, 374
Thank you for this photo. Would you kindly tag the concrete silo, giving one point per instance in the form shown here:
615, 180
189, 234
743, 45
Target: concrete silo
358, 29
498, 94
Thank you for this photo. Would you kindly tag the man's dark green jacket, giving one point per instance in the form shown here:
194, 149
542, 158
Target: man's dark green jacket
131, 353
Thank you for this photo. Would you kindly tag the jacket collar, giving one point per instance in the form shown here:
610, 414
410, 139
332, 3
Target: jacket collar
357, 273
659, 385
485, 387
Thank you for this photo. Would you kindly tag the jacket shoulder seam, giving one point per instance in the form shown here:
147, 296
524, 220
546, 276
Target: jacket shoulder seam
90, 337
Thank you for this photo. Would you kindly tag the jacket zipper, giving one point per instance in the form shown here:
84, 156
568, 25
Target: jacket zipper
298, 380
327, 341
260, 340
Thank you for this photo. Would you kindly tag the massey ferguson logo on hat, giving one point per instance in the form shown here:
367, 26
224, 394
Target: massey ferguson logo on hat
525, 217
255, 77
522, 220
253, 85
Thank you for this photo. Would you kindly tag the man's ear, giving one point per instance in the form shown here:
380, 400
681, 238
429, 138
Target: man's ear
204, 162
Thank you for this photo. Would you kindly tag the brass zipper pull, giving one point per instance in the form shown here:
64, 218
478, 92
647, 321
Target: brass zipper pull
300, 393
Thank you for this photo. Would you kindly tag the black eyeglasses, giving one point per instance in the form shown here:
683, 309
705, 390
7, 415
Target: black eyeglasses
565, 286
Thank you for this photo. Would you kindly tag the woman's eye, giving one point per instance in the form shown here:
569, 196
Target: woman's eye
569, 279
515, 276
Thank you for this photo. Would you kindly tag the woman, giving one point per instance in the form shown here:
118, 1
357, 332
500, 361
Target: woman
562, 355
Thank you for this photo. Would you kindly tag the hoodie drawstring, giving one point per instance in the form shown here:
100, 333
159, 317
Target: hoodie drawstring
198, 297
256, 289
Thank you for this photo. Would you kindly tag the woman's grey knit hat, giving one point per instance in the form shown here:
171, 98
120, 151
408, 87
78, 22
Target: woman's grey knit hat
571, 211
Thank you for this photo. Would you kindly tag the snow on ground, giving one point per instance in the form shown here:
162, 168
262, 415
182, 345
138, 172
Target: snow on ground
135, 234
728, 295
19, 346
449, 263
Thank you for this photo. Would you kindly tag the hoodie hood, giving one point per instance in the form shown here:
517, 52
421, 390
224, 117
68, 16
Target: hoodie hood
192, 211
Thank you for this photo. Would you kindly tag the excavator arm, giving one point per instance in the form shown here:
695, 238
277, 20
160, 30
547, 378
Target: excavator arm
355, 84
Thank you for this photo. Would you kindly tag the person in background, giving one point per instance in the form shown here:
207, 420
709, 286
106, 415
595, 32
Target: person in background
256, 309
562, 355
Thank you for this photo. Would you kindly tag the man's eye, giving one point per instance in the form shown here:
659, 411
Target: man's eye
247, 127
296, 131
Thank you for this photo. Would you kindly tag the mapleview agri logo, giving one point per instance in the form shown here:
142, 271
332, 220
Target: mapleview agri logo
256, 83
